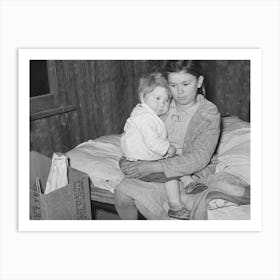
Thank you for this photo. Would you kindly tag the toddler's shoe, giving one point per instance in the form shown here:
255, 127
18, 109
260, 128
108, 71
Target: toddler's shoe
195, 187
180, 214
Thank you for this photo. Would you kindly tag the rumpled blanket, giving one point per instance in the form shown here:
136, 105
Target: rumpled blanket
233, 152
228, 175
221, 185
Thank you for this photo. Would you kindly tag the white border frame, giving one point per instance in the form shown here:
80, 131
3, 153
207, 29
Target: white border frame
254, 55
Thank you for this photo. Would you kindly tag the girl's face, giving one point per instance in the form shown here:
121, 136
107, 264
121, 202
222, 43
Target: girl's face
184, 87
158, 100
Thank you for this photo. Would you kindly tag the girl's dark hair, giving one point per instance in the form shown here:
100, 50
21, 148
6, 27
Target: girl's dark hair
189, 66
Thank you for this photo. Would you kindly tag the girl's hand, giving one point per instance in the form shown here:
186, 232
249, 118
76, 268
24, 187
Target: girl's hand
171, 151
135, 169
129, 168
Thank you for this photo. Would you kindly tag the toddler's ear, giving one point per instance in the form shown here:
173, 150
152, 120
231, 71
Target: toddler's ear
200, 81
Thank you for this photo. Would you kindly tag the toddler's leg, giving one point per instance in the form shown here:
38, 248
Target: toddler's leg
173, 193
176, 207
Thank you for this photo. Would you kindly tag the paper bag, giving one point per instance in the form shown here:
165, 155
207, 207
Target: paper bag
58, 173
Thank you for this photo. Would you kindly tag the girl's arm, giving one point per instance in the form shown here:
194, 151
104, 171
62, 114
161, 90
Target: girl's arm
151, 171
194, 159
140, 168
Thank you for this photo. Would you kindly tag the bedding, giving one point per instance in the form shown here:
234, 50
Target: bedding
233, 152
99, 158
233, 157
232, 212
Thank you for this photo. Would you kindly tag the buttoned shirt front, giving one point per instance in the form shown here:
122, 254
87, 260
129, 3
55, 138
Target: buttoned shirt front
177, 123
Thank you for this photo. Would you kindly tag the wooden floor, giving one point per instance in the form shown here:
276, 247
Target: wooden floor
101, 214
104, 211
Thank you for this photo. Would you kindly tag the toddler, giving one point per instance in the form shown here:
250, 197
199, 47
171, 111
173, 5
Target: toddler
145, 134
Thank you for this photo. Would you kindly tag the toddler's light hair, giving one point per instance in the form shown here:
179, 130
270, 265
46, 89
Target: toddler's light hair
148, 83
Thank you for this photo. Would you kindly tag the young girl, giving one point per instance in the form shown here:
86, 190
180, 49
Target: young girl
193, 125
145, 134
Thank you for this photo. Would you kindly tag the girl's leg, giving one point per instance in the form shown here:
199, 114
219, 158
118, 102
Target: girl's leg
125, 206
173, 193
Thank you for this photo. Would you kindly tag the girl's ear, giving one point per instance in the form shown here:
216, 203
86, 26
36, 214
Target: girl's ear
200, 81
141, 98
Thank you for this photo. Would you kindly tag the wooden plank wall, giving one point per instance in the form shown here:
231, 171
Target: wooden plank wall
228, 86
105, 93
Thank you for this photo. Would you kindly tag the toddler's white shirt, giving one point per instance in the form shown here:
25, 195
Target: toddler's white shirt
145, 135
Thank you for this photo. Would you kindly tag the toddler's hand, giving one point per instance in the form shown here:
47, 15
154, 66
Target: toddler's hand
171, 151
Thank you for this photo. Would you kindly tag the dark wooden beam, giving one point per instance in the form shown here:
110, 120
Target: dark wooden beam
52, 112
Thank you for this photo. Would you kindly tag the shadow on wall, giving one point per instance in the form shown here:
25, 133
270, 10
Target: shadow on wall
228, 86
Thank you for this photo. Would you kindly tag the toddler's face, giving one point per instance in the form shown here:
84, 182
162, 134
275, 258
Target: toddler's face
158, 100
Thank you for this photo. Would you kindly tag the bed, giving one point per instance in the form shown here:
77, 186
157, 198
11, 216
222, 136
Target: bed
99, 158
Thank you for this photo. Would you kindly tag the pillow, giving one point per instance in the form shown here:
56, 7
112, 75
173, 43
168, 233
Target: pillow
99, 158
233, 151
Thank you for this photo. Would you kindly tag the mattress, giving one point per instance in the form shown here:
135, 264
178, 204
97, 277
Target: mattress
101, 195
